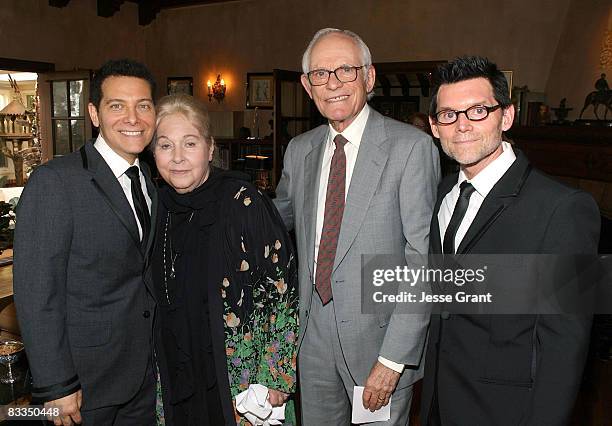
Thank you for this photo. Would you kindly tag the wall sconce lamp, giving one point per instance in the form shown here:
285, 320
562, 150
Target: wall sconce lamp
216, 90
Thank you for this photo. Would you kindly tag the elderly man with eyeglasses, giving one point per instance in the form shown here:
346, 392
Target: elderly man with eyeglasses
500, 369
363, 184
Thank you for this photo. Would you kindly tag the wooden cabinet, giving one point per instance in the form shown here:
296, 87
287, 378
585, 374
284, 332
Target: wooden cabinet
580, 156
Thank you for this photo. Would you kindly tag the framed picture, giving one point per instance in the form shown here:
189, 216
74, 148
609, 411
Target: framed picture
180, 85
260, 90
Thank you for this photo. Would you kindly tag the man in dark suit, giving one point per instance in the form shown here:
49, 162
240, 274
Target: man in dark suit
486, 370
84, 230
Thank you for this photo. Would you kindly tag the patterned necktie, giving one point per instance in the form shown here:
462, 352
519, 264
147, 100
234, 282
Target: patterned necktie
140, 203
466, 190
332, 219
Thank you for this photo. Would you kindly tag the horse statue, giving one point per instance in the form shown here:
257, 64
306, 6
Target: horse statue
597, 98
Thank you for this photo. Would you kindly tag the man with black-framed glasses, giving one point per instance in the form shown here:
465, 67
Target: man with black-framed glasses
500, 369
363, 184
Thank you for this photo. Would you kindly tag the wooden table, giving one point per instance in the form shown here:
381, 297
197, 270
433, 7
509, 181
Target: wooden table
6, 281
16, 394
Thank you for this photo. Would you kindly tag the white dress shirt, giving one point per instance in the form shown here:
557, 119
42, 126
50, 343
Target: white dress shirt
352, 134
483, 182
119, 166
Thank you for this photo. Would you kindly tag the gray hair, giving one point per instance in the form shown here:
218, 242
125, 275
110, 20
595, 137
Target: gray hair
366, 56
191, 108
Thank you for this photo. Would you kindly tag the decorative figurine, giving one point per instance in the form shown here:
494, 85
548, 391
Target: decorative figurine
601, 96
561, 112
602, 84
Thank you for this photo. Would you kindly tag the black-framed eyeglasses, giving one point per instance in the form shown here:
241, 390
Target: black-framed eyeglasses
344, 74
473, 113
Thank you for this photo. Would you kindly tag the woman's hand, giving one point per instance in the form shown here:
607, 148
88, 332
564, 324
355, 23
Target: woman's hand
277, 398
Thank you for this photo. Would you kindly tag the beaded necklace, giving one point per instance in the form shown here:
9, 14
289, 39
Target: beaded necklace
173, 257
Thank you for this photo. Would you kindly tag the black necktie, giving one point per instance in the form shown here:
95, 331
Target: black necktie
140, 203
466, 190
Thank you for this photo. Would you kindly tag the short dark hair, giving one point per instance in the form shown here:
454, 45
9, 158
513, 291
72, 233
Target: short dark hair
467, 68
118, 68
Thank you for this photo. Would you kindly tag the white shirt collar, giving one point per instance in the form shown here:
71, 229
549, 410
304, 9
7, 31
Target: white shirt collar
484, 181
354, 131
117, 163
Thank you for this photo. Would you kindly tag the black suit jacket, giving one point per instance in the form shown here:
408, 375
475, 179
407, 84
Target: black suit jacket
83, 301
520, 369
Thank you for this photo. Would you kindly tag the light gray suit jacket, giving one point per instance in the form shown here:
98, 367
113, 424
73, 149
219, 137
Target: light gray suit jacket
388, 211
83, 299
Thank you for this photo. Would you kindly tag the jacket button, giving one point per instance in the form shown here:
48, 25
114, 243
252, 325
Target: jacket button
445, 315
146, 314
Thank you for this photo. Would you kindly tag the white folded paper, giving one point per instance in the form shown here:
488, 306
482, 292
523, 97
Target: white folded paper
363, 415
253, 404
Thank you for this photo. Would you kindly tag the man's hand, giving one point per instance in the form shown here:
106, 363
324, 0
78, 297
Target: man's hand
379, 386
69, 407
277, 398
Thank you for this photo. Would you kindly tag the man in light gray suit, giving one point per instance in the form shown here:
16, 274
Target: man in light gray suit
364, 184
84, 304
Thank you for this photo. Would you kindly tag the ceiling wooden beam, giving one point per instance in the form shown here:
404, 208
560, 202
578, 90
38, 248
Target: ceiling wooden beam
147, 9
25, 66
107, 8
59, 3
182, 3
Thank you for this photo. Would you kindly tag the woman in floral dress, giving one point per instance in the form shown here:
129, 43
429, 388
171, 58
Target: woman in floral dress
225, 277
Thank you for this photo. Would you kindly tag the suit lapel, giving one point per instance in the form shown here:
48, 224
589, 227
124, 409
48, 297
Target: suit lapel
501, 196
312, 177
109, 187
152, 190
435, 245
491, 208
369, 166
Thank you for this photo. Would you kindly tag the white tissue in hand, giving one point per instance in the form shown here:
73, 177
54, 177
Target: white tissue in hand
254, 405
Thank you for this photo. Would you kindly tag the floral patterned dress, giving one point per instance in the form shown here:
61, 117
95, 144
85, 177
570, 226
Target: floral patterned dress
261, 344
243, 259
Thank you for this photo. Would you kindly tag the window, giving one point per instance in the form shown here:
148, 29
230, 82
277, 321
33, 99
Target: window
67, 115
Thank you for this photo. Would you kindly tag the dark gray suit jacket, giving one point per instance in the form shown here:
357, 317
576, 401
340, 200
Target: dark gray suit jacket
84, 305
